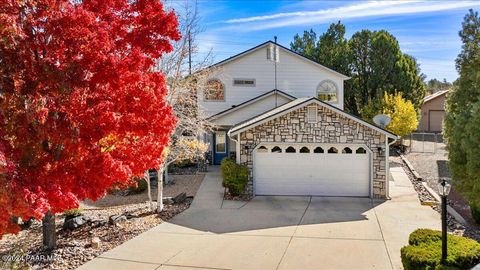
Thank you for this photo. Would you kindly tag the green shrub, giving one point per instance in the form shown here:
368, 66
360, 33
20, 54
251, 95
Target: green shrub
140, 187
475, 210
234, 176
75, 212
425, 251
423, 236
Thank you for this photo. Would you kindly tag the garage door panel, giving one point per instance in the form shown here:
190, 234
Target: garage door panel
312, 174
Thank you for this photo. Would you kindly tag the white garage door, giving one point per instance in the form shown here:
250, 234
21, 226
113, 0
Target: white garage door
312, 169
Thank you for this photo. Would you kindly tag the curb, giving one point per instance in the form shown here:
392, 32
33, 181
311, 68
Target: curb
450, 209
411, 168
417, 176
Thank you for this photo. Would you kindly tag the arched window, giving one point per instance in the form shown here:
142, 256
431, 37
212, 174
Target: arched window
304, 150
290, 149
262, 149
332, 150
318, 150
327, 91
361, 150
214, 91
276, 149
346, 150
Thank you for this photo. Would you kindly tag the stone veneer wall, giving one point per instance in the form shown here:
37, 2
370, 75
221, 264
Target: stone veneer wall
330, 128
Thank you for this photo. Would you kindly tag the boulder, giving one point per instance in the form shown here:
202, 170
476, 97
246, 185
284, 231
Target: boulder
95, 242
73, 223
180, 198
114, 219
168, 200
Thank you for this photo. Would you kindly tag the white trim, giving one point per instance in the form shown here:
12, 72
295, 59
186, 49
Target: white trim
269, 43
253, 100
301, 105
337, 91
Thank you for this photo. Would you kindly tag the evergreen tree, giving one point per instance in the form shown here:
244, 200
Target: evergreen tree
462, 122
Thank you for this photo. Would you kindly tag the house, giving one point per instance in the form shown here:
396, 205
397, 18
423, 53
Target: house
433, 112
282, 115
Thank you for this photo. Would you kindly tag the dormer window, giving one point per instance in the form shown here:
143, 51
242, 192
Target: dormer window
214, 91
327, 91
244, 82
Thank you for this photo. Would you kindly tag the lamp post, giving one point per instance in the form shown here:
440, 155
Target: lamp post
443, 190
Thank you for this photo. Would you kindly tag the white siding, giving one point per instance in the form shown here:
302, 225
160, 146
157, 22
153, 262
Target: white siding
251, 110
295, 76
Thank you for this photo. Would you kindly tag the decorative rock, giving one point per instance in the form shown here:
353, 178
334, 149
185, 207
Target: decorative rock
75, 222
168, 200
95, 242
115, 219
180, 198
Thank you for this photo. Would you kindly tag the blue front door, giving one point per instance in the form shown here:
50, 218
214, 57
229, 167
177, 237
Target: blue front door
220, 146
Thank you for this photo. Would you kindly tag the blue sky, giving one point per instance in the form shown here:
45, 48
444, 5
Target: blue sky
427, 30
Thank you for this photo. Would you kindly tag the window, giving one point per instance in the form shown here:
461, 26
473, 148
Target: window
220, 142
361, 150
214, 91
346, 150
304, 150
262, 149
244, 82
312, 114
327, 91
290, 149
332, 150
318, 150
276, 149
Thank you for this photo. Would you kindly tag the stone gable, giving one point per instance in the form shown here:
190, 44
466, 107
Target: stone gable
330, 127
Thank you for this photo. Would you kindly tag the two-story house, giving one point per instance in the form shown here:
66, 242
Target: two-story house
282, 115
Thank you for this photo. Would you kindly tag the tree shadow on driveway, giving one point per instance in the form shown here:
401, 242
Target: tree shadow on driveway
281, 215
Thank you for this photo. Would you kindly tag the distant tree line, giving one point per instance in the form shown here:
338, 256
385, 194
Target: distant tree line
435, 85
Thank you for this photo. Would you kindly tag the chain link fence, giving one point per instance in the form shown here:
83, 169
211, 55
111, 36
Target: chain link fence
422, 142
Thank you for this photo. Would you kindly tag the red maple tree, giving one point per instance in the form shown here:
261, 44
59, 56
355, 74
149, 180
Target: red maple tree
81, 108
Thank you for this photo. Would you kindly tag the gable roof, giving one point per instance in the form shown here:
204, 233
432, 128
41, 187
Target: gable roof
296, 104
250, 101
435, 95
286, 50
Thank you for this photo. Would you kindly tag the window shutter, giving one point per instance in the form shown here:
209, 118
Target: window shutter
312, 114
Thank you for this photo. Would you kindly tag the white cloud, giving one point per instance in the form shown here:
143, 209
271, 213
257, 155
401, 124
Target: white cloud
368, 9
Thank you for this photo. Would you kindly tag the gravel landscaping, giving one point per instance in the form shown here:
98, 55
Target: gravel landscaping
470, 230
109, 222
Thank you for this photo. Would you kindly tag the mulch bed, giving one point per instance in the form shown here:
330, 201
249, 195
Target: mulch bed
74, 247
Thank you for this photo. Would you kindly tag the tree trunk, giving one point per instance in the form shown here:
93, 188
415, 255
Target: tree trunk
49, 232
160, 190
167, 177
149, 190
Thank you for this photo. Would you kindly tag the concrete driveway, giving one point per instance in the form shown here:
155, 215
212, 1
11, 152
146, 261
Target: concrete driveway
278, 233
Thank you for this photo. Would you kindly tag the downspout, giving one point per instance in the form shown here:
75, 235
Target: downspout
387, 166
237, 147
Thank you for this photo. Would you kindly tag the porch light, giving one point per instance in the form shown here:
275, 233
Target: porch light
443, 189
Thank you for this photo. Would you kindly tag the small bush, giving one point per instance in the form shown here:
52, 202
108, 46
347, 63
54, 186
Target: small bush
423, 236
475, 210
234, 176
185, 163
425, 251
75, 212
140, 187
